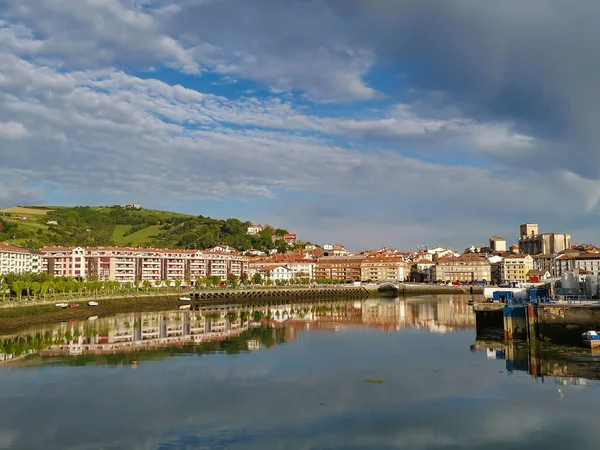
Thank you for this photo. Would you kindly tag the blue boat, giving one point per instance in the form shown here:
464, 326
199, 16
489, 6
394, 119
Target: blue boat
590, 339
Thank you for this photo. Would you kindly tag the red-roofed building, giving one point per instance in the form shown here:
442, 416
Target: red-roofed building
290, 239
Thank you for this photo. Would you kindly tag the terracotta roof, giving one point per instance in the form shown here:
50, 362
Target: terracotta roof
497, 238
4, 247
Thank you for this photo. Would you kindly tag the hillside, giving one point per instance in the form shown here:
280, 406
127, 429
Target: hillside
36, 226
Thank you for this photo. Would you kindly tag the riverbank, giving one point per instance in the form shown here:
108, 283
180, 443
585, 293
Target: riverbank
19, 315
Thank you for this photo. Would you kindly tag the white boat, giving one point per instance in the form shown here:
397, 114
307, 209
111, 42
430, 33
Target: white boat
185, 299
185, 306
92, 303
92, 317
62, 305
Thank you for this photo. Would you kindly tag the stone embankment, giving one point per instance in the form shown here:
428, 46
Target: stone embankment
408, 289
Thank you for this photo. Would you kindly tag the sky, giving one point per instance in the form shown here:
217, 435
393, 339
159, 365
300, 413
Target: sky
365, 122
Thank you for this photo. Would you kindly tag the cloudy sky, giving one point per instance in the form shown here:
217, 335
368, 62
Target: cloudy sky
366, 122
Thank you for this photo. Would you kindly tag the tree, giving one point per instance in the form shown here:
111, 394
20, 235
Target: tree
232, 280
136, 283
147, 285
167, 283
18, 286
3, 288
157, 283
199, 282
177, 284
257, 279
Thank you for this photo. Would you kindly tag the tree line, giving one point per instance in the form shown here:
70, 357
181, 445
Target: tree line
44, 286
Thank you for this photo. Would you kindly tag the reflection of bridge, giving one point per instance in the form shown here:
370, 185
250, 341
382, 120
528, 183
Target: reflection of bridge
135, 331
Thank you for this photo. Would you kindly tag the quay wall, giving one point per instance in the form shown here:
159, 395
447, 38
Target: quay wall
409, 289
561, 324
564, 324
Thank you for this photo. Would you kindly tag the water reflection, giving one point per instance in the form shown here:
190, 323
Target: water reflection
562, 365
230, 329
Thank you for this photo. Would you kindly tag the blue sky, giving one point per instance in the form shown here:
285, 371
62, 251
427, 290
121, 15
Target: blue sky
364, 122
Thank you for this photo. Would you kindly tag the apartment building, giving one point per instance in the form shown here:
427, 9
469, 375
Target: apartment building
128, 265
516, 267
18, 260
589, 262
462, 269
544, 263
346, 268
382, 268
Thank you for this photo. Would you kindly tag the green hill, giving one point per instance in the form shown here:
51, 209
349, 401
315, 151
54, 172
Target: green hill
36, 226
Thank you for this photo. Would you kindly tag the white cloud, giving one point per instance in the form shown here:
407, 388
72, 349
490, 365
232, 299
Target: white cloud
12, 130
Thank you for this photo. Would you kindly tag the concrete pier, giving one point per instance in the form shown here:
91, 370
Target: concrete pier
561, 324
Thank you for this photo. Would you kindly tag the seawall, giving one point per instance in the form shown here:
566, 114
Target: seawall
409, 289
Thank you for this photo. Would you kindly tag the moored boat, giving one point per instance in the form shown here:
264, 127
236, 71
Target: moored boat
185, 307
62, 305
92, 303
73, 305
93, 318
590, 339
185, 299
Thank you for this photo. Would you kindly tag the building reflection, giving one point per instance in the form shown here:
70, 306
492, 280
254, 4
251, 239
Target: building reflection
131, 332
564, 366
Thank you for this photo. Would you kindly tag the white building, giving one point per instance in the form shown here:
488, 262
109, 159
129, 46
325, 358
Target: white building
19, 260
302, 268
254, 229
277, 272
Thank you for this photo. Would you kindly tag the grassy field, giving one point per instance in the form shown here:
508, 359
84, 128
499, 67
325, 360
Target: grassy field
137, 238
24, 211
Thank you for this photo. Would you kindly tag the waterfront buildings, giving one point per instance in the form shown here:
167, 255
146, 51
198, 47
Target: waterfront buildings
383, 268
463, 269
128, 265
533, 243
18, 260
516, 267
346, 268
276, 273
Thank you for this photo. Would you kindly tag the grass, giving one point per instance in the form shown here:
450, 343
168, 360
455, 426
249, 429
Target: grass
118, 235
138, 238
24, 211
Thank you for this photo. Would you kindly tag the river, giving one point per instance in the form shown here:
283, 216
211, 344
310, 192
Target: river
332, 374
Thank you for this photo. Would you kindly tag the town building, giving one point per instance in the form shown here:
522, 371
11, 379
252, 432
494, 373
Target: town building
462, 269
531, 242
496, 272
335, 250
254, 229
276, 273
128, 265
290, 239
18, 260
383, 268
346, 268
568, 262
544, 263
423, 267
497, 244
516, 267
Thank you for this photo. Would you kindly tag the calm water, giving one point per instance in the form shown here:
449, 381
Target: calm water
196, 379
